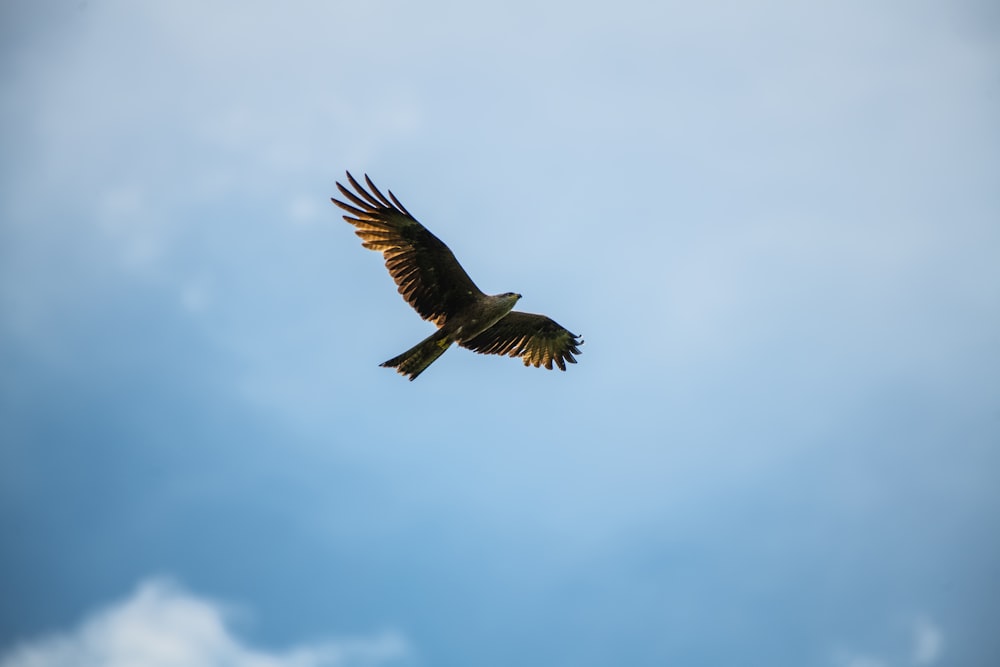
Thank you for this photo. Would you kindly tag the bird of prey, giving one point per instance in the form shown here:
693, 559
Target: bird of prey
435, 284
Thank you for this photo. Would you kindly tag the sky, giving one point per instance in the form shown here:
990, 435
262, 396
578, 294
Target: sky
775, 224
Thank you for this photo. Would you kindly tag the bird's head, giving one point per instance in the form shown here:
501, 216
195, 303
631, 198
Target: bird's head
512, 297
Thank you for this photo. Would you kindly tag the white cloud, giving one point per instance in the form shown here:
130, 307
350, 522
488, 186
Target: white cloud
928, 642
859, 661
923, 645
163, 626
125, 216
196, 296
306, 209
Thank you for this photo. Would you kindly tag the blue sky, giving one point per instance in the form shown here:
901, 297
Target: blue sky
774, 223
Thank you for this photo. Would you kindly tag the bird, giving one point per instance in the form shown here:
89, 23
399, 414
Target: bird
432, 281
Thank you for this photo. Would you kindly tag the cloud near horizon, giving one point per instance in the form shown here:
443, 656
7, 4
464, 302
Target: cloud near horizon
161, 625
923, 645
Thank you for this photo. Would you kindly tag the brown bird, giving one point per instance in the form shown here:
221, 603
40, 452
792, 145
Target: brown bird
435, 284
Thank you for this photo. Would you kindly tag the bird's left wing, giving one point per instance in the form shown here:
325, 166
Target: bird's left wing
424, 269
538, 340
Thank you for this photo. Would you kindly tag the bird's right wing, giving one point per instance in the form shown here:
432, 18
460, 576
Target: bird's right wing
425, 270
537, 339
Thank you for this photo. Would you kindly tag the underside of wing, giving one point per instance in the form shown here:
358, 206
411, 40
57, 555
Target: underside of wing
538, 340
425, 270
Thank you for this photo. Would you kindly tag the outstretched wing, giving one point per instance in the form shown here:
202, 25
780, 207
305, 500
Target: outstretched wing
425, 270
537, 339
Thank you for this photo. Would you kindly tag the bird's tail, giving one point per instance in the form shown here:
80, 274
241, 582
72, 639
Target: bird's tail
420, 356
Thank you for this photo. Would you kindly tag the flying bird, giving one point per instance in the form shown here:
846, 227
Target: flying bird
435, 284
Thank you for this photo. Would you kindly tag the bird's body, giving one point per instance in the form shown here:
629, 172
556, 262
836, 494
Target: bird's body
435, 284
464, 325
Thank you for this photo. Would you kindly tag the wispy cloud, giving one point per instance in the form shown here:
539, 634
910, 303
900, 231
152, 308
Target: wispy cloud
161, 625
922, 645
928, 642
849, 660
